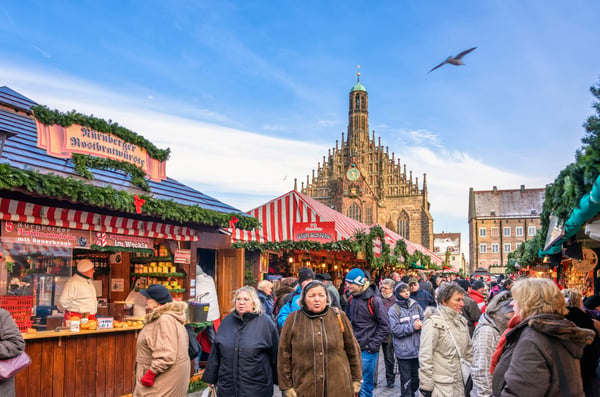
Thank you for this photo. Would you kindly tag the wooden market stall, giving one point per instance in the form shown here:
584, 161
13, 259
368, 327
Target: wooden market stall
296, 217
77, 187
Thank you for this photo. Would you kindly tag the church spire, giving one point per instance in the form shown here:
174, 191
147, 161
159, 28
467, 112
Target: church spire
358, 114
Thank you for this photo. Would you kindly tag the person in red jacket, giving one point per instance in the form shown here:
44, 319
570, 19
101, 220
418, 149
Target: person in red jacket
477, 293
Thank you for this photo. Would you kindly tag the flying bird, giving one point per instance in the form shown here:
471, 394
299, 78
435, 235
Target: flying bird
457, 60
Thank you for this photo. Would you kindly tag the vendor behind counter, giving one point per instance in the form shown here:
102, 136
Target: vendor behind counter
79, 295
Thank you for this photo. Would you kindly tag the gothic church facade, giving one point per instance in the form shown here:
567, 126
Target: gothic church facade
363, 181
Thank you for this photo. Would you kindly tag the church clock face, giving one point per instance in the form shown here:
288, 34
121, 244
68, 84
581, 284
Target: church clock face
352, 174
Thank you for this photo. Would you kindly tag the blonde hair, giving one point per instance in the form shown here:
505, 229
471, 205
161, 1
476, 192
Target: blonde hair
573, 297
256, 305
537, 296
264, 284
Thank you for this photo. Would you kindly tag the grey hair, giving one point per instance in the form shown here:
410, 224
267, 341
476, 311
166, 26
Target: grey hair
446, 290
257, 307
308, 287
388, 282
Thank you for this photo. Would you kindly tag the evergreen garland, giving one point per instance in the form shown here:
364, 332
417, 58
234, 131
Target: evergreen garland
50, 117
83, 161
571, 184
360, 242
54, 186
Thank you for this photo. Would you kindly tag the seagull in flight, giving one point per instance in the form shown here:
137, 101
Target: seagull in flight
457, 60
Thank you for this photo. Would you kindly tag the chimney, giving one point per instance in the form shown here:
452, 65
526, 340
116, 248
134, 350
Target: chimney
522, 188
495, 189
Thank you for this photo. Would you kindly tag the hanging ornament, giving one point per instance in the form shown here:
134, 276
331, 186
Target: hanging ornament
232, 222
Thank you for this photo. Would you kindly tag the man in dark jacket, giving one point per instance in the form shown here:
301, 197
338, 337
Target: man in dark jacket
422, 297
370, 323
471, 310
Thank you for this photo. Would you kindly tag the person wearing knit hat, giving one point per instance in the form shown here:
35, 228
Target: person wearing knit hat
78, 297
370, 323
406, 320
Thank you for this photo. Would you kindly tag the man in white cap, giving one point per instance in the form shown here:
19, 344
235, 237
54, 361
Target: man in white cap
79, 295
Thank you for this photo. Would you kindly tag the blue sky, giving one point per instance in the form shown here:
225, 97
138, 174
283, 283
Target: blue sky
251, 94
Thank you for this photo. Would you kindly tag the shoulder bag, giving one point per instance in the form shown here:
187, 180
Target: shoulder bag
465, 367
10, 367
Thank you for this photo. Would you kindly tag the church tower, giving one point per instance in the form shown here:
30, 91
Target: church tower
362, 180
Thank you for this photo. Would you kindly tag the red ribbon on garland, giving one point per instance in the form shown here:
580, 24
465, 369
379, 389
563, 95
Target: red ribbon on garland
232, 222
138, 202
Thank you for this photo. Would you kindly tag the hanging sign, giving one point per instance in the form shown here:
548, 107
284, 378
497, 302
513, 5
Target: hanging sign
52, 236
183, 256
59, 141
315, 231
102, 239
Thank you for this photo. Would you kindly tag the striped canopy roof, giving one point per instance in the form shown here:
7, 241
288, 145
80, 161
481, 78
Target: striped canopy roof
278, 217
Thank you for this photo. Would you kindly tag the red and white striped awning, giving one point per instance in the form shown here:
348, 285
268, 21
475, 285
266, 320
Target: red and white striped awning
21, 211
278, 217
391, 237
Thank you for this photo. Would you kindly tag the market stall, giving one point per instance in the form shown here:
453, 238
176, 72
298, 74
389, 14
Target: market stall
76, 188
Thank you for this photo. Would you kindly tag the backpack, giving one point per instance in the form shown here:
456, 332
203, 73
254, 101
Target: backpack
369, 305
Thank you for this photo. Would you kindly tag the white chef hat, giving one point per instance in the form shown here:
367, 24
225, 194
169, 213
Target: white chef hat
84, 265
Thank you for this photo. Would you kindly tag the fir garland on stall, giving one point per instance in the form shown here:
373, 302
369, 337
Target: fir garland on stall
571, 184
360, 242
54, 186
83, 161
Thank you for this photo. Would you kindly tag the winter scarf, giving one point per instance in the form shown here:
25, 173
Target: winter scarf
502, 343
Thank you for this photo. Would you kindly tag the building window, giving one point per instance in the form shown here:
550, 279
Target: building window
482, 232
531, 231
519, 231
507, 247
506, 232
495, 248
354, 212
495, 262
482, 248
403, 228
369, 216
494, 232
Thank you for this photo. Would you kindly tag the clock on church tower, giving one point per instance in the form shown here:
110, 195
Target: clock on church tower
353, 174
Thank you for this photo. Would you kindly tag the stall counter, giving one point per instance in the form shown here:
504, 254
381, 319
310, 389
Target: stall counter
84, 363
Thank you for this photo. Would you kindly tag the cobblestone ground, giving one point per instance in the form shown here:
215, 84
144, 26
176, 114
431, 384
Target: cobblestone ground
381, 390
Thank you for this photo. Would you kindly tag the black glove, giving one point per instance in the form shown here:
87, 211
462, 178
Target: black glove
426, 393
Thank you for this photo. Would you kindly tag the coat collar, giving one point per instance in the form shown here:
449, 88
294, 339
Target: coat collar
175, 309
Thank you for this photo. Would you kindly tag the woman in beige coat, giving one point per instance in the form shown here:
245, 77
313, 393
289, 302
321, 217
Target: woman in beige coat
162, 361
440, 371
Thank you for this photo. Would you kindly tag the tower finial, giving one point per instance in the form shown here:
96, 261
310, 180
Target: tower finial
358, 73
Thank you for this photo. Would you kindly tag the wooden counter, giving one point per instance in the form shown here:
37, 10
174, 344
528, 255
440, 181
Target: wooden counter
84, 363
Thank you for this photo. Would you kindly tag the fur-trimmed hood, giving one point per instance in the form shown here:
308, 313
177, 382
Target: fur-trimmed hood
176, 309
571, 336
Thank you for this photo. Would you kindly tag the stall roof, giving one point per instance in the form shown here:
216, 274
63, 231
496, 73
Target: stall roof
278, 217
21, 152
391, 237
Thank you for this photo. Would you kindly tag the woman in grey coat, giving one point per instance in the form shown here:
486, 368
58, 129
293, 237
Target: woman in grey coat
485, 338
11, 345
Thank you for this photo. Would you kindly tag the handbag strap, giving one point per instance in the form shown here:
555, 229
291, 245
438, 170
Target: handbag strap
564, 391
453, 340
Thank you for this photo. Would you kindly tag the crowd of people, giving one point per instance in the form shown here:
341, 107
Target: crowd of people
438, 337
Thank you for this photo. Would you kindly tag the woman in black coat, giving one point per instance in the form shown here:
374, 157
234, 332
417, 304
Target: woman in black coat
591, 353
243, 357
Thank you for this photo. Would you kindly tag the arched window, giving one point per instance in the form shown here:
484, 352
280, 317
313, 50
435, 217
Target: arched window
354, 212
403, 225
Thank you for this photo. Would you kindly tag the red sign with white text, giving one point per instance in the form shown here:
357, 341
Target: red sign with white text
322, 232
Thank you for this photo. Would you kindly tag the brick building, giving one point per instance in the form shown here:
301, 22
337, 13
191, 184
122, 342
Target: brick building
499, 221
363, 181
449, 243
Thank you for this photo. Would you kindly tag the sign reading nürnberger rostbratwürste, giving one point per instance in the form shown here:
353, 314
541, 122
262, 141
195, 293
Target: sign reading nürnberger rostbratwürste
59, 141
